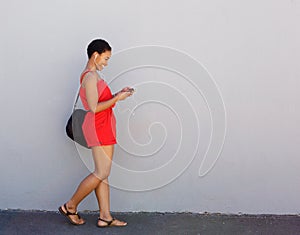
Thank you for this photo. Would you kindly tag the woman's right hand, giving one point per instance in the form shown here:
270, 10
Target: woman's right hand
122, 95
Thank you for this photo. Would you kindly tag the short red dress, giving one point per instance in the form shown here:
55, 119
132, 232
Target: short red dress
100, 128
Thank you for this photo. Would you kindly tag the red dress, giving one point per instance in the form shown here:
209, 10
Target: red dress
99, 128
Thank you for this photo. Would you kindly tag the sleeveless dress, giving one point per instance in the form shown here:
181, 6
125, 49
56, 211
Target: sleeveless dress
100, 128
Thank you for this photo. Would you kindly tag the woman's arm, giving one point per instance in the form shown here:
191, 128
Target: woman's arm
105, 104
90, 83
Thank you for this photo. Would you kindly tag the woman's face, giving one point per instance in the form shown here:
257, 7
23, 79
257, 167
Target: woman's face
102, 59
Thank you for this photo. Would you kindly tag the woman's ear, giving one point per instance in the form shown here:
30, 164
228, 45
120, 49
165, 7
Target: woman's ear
95, 54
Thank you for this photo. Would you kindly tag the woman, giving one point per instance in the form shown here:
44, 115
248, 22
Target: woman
99, 129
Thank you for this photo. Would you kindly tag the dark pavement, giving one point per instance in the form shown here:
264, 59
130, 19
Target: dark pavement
42, 222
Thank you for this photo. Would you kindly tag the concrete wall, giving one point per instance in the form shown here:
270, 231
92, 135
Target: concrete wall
222, 69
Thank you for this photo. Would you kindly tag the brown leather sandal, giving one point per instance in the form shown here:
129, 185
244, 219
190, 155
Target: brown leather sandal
68, 213
109, 223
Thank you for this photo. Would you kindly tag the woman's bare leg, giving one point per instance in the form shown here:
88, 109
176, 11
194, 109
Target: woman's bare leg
85, 188
102, 164
102, 191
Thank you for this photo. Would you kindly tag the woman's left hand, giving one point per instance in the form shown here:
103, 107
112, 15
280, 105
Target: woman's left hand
125, 89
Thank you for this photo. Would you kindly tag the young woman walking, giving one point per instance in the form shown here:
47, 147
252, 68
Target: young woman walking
99, 129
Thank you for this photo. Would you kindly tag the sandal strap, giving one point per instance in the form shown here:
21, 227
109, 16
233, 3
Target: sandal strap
71, 213
106, 221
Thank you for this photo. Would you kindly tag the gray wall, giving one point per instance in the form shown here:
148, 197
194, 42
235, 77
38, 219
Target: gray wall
223, 69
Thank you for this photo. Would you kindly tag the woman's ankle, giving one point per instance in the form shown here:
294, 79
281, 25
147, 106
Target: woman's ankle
105, 215
71, 206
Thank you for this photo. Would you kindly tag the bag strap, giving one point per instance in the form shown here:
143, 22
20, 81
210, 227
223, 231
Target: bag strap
75, 104
78, 93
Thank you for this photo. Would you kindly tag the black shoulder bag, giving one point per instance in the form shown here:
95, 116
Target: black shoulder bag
74, 125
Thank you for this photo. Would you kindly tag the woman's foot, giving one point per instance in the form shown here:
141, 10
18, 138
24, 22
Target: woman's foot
71, 214
110, 222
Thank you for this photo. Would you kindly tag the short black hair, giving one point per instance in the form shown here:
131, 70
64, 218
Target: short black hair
98, 45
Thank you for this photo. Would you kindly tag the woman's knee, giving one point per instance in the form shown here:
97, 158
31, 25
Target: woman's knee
102, 174
103, 161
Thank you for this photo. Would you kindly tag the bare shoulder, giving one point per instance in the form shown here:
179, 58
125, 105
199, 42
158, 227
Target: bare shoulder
90, 78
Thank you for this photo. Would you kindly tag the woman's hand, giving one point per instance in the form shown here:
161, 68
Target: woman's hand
124, 93
130, 89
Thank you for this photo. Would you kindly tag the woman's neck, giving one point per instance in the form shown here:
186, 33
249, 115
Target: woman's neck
91, 66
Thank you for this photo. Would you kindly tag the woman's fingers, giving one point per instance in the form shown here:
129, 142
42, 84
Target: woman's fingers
123, 95
125, 89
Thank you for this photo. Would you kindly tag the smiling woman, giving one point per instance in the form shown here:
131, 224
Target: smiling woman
99, 129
